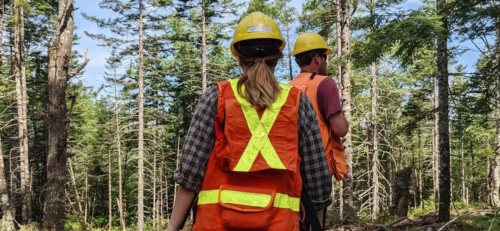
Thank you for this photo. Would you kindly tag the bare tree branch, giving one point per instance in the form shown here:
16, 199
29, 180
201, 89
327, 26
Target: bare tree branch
79, 68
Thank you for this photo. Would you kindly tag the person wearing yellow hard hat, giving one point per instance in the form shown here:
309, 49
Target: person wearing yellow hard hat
311, 53
254, 148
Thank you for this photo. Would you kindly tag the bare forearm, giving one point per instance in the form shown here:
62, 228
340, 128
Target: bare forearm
339, 124
182, 204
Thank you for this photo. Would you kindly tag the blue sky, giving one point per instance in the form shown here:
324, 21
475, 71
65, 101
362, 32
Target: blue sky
94, 71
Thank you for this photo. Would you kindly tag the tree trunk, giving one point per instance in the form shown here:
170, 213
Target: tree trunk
345, 23
166, 193
8, 210
203, 47
444, 135
339, 76
118, 148
488, 181
339, 45
496, 177
54, 211
464, 189
140, 164
341, 200
473, 172
155, 209
420, 169
162, 209
20, 74
401, 193
73, 180
375, 180
26, 166
110, 194
288, 43
435, 147
451, 158
178, 159
87, 200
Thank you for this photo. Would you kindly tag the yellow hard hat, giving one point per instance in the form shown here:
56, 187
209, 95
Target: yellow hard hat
310, 41
256, 26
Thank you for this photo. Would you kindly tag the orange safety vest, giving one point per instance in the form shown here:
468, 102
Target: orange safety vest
332, 144
252, 180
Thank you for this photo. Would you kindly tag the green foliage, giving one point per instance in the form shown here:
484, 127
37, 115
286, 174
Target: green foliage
73, 225
418, 211
410, 32
484, 222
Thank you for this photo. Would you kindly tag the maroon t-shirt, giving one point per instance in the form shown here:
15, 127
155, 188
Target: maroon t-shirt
328, 99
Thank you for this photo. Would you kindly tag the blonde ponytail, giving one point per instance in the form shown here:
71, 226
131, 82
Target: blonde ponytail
261, 88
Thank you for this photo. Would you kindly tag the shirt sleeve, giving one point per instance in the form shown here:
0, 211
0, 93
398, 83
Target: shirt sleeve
199, 143
315, 173
328, 99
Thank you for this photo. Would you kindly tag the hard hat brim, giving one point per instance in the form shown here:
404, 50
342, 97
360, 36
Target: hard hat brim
254, 36
297, 52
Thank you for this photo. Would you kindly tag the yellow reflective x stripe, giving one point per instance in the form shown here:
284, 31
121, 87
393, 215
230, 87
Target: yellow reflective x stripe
282, 201
260, 129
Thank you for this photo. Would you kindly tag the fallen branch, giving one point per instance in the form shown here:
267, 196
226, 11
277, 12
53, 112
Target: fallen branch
449, 222
425, 220
396, 221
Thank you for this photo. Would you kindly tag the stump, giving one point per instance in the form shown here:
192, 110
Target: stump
401, 193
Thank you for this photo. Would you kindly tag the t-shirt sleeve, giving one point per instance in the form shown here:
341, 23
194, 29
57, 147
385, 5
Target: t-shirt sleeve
328, 99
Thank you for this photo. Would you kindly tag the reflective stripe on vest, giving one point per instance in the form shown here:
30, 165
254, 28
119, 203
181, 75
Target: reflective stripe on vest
248, 199
260, 128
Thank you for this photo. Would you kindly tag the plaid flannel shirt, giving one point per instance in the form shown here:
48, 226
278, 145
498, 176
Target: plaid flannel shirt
200, 141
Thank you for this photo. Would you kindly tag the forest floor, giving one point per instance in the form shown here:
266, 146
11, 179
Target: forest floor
471, 218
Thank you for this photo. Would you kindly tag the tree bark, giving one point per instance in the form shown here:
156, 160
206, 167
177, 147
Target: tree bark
140, 164
444, 135
288, 43
77, 195
451, 169
462, 163
155, 209
345, 23
339, 45
420, 169
118, 148
21, 95
177, 160
339, 74
8, 210
203, 47
375, 180
496, 177
162, 209
110, 194
54, 211
435, 147
27, 181
488, 181
401, 193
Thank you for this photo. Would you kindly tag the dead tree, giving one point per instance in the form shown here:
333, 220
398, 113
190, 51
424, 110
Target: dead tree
54, 211
401, 193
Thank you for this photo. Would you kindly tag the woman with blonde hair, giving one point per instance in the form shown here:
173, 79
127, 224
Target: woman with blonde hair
254, 147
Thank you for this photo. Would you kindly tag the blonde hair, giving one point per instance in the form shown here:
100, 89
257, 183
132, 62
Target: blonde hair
261, 88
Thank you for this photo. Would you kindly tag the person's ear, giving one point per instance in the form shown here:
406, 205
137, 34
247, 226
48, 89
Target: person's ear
317, 59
